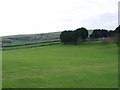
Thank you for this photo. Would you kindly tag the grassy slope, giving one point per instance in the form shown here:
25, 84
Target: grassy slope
15, 42
89, 65
25, 35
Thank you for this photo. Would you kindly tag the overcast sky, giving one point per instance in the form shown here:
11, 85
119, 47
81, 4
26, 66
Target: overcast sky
41, 16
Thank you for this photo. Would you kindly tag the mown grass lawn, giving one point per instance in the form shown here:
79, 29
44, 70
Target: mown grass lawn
89, 65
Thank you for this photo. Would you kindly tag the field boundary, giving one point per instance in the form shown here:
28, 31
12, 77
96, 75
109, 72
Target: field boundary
31, 46
31, 43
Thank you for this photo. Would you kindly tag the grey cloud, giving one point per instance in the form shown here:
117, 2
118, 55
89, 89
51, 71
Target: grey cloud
106, 21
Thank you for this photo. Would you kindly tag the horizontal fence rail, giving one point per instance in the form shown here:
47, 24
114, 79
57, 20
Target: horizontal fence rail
47, 43
31, 43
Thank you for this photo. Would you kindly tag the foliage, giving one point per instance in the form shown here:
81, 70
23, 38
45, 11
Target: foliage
117, 30
111, 33
98, 34
82, 32
117, 35
73, 37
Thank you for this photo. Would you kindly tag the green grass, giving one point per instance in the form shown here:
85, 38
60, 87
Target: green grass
89, 65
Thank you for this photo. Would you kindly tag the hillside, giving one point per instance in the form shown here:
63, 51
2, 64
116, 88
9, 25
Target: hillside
30, 40
20, 39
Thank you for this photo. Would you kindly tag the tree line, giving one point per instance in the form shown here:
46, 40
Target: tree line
81, 34
98, 34
74, 37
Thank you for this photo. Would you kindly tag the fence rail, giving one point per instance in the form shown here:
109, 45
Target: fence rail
41, 44
30, 43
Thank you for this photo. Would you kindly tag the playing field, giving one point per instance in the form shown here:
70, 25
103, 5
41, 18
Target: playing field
89, 65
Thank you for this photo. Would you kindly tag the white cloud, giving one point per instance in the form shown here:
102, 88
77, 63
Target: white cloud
38, 16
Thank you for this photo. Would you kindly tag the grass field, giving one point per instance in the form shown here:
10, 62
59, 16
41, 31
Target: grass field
89, 65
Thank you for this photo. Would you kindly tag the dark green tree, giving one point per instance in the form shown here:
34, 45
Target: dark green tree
117, 35
111, 33
63, 36
117, 30
105, 33
72, 37
97, 34
81, 33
